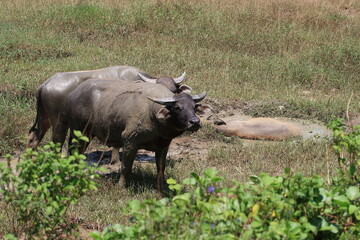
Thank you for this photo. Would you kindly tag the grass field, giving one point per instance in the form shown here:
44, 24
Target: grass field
254, 55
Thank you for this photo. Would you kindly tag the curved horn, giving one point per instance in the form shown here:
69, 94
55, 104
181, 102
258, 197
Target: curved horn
163, 101
185, 88
180, 79
197, 98
145, 79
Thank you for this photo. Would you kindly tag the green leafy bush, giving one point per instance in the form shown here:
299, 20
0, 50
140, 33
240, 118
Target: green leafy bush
290, 206
285, 207
347, 147
40, 191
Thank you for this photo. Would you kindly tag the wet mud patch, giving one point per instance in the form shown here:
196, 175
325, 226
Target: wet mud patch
309, 128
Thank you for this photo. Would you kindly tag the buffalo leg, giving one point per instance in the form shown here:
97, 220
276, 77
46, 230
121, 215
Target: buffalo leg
115, 155
128, 157
160, 156
60, 129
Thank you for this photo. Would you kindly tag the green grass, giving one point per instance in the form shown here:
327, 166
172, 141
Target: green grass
252, 55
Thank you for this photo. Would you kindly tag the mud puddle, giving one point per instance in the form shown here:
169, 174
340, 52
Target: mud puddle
310, 129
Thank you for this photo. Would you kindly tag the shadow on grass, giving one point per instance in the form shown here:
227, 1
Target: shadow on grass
104, 157
139, 180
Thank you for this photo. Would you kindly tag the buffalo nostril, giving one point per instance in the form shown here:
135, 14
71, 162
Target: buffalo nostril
194, 121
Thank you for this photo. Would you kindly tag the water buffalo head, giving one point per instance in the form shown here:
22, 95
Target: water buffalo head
180, 109
173, 84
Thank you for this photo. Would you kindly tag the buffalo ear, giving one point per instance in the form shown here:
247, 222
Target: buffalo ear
203, 109
163, 113
185, 88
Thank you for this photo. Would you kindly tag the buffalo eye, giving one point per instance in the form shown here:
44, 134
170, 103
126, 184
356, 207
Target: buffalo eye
177, 108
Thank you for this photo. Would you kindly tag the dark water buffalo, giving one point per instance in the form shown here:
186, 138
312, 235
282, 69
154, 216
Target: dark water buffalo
132, 116
52, 95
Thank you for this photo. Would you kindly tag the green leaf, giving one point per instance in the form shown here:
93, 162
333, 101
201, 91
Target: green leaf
49, 210
357, 214
10, 236
84, 138
194, 175
171, 181
216, 179
325, 194
134, 205
311, 227
330, 228
255, 179
95, 235
189, 181
77, 133
352, 209
69, 188
256, 224
247, 234
267, 180
353, 192
211, 173
176, 187
182, 197
342, 201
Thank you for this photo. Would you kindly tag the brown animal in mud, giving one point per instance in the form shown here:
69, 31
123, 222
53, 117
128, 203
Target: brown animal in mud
132, 116
52, 95
260, 128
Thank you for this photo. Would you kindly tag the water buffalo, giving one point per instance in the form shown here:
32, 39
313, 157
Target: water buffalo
132, 116
52, 95
260, 128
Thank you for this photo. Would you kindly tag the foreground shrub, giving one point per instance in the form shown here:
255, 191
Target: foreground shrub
347, 147
285, 207
38, 194
290, 206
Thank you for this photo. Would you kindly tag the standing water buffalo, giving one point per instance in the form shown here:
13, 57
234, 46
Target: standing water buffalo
52, 95
132, 116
